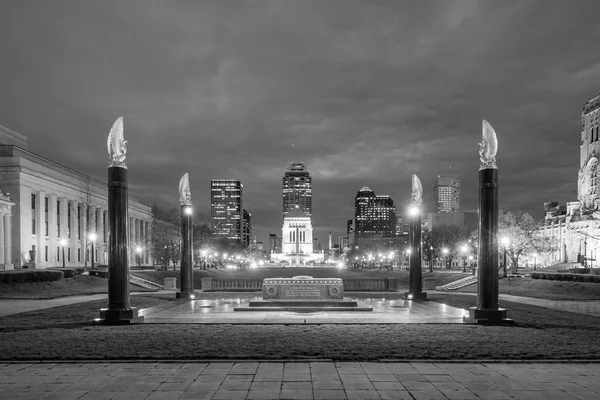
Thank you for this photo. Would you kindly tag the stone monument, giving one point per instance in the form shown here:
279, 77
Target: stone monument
487, 310
119, 309
415, 291
187, 262
303, 294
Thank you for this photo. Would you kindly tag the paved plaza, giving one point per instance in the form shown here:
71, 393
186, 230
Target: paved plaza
221, 311
301, 380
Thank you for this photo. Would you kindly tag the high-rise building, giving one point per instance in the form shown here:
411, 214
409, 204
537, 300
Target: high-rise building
447, 194
374, 215
246, 228
297, 189
226, 208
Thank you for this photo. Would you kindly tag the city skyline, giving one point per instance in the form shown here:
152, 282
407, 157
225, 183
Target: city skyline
373, 95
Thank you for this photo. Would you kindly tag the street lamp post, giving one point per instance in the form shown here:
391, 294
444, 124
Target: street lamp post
463, 249
92, 238
505, 243
430, 258
63, 243
535, 255
138, 250
166, 259
445, 253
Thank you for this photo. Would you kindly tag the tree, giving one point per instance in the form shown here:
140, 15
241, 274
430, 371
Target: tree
447, 237
523, 234
166, 236
85, 214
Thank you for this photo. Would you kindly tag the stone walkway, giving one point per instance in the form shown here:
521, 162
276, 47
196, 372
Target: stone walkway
221, 312
302, 380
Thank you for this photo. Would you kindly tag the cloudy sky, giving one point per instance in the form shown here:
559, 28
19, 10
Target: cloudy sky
373, 90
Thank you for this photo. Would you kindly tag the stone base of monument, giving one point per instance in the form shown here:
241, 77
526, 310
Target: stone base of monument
186, 295
303, 294
415, 296
345, 304
487, 317
119, 317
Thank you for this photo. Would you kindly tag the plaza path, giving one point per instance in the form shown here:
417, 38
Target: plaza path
299, 380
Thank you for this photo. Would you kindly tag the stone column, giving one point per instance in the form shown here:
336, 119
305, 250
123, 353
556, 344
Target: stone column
487, 310
119, 309
147, 241
40, 230
8, 261
53, 231
131, 241
415, 290
187, 262
73, 241
3, 260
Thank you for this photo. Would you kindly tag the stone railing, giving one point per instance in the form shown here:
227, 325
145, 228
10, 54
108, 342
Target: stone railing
356, 285
136, 280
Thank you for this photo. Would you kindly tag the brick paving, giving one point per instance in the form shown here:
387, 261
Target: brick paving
299, 380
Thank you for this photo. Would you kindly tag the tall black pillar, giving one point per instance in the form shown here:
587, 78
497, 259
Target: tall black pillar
414, 241
119, 309
187, 262
487, 310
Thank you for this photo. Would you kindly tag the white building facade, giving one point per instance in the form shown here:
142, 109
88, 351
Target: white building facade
44, 204
297, 240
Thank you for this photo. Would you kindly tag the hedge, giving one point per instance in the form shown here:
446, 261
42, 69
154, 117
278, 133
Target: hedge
566, 277
36, 275
101, 274
68, 272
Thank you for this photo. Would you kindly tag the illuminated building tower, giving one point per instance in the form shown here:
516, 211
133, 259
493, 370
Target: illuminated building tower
447, 194
247, 228
374, 215
297, 189
227, 208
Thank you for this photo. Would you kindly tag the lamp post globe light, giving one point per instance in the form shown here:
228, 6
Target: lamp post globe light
464, 250
92, 237
63, 243
138, 250
415, 242
505, 242
535, 256
186, 240
445, 253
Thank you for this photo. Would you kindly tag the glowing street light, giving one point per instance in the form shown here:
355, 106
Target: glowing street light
138, 250
464, 250
187, 210
63, 243
445, 253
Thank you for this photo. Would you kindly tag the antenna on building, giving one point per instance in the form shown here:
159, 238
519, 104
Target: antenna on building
293, 153
300, 153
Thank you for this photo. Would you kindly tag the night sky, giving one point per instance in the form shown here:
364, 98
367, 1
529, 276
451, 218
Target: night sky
373, 90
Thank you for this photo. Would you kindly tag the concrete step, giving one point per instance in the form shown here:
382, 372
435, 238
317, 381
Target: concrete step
136, 280
469, 280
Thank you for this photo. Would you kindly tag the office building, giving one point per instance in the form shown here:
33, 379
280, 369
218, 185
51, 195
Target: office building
374, 215
226, 208
447, 194
297, 189
246, 228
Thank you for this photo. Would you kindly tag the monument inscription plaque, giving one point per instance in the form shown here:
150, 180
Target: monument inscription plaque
303, 288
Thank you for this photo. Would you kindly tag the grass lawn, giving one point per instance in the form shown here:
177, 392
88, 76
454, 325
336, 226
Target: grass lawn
75, 286
67, 333
441, 278
545, 289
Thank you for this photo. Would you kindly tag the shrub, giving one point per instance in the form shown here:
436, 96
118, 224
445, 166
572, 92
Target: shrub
37, 275
101, 274
68, 272
566, 277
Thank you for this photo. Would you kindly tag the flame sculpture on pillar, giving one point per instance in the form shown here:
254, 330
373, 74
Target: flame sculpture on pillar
187, 262
119, 309
414, 239
487, 310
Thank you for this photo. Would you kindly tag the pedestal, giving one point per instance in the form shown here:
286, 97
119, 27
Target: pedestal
487, 311
119, 309
187, 263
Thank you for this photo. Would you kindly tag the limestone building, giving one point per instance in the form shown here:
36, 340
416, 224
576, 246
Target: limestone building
574, 230
44, 203
297, 240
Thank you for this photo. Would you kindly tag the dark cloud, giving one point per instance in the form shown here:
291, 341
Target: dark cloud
373, 90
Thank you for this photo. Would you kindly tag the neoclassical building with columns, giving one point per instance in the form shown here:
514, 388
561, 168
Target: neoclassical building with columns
43, 208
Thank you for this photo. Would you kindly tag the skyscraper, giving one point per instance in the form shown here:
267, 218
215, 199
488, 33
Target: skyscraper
297, 189
447, 194
226, 208
247, 228
374, 215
